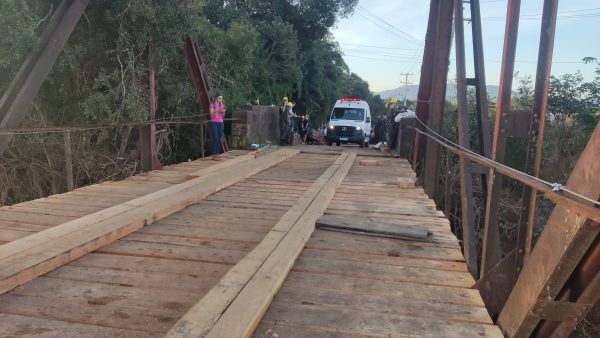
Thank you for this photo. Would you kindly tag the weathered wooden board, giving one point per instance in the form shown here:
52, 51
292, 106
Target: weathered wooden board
145, 281
31, 256
370, 228
206, 314
350, 285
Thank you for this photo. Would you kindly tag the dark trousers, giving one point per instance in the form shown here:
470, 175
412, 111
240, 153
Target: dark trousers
217, 130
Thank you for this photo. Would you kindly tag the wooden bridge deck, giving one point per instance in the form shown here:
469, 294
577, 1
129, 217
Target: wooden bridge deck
351, 285
341, 285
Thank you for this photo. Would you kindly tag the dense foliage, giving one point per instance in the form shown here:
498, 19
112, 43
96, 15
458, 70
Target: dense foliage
255, 51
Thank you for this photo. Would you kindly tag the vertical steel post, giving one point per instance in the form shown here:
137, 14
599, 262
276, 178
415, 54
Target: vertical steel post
148, 143
491, 237
425, 82
438, 94
536, 131
68, 160
201, 138
466, 180
199, 76
483, 115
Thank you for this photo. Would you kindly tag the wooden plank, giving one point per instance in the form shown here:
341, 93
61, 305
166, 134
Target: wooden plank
112, 307
378, 287
368, 323
406, 274
149, 265
268, 263
367, 227
343, 242
405, 182
220, 166
368, 162
25, 326
269, 329
439, 239
336, 299
313, 253
31, 256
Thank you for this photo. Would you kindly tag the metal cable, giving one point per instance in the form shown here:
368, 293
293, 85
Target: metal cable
556, 187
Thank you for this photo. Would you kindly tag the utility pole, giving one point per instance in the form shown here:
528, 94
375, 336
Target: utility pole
405, 86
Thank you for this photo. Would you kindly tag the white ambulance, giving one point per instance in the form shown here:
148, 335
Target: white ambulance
350, 122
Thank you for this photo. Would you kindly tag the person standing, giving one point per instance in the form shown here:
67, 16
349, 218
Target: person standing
305, 129
217, 111
284, 123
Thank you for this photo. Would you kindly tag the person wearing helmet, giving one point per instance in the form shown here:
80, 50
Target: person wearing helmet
303, 129
291, 115
284, 122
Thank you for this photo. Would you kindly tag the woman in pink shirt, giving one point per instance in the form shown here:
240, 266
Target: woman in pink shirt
217, 110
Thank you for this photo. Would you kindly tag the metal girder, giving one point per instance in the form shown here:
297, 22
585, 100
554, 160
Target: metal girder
560, 256
496, 285
491, 236
536, 131
425, 82
148, 152
23, 89
438, 93
583, 288
466, 179
483, 116
199, 75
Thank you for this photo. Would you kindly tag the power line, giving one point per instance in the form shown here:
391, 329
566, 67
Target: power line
570, 14
380, 47
415, 57
379, 53
415, 40
377, 59
385, 28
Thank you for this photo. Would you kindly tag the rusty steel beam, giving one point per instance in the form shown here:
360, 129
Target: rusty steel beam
536, 131
197, 69
23, 89
425, 82
582, 288
561, 248
466, 179
491, 238
438, 94
496, 285
198, 73
148, 151
483, 114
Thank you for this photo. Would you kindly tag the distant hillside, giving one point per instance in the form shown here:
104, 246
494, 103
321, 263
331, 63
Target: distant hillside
413, 89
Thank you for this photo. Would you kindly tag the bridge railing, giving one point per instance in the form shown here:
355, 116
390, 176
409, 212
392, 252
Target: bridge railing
559, 282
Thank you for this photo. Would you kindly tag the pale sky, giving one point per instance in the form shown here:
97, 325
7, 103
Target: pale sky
377, 50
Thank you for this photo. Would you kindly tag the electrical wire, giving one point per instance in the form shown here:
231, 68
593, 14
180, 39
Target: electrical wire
62, 129
380, 47
376, 59
414, 40
385, 28
555, 186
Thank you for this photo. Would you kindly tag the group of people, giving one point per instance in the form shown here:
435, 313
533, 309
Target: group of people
288, 126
